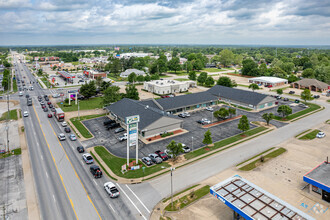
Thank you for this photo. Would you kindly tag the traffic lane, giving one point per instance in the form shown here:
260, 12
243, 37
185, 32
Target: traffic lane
42, 169
95, 186
83, 206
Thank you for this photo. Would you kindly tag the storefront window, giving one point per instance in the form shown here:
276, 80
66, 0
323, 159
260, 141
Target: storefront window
316, 189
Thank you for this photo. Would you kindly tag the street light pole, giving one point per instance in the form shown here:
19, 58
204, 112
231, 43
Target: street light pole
172, 169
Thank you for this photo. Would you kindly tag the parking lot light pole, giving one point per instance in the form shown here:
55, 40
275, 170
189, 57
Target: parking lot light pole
172, 169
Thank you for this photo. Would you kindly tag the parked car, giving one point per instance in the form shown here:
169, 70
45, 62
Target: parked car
147, 161
61, 137
96, 171
286, 99
80, 149
111, 189
161, 155
107, 122
204, 121
87, 158
67, 130
292, 92
296, 101
72, 137
321, 134
20, 93
113, 125
118, 130
210, 109
184, 115
64, 124
155, 158
316, 96
26, 114
122, 137
56, 95
185, 148
169, 154
303, 105
50, 115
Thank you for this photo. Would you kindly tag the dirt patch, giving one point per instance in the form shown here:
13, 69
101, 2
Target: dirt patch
160, 137
179, 159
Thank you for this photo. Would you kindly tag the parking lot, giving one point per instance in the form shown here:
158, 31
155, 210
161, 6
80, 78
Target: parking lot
192, 139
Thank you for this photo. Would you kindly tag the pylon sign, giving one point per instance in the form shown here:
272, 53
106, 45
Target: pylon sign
132, 134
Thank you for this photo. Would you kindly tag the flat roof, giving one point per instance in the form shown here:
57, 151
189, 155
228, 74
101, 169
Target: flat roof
163, 83
268, 79
252, 202
65, 74
319, 176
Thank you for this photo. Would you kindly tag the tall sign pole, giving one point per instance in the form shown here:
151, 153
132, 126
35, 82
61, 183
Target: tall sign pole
132, 134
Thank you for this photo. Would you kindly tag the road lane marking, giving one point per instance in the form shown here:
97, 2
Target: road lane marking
75, 171
112, 208
47, 174
138, 198
55, 165
82, 162
131, 202
42, 158
54, 198
95, 182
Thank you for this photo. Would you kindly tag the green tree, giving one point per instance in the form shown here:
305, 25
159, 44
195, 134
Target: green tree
111, 95
292, 78
238, 59
226, 57
284, 110
88, 89
268, 117
226, 81
192, 75
174, 64
262, 69
250, 68
243, 124
278, 72
222, 113
39, 72
308, 73
202, 78
306, 95
140, 78
253, 86
174, 149
132, 92
322, 73
105, 85
99, 81
279, 91
132, 77
207, 137
115, 67
154, 77
232, 111
147, 78
209, 81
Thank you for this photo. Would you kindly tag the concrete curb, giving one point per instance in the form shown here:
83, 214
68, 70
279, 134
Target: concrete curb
255, 158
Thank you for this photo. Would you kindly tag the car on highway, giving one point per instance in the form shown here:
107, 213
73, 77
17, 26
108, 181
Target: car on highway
80, 149
42, 103
50, 115
46, 98
49, 103
45, 109
111, 189
162, 155
321, 134
56, 95
118, 130
147, 161
27, 96
20, 93
87, 158
155, 158
122, 137
61, 137
26, 114
185, 148
64, 124
51, 106
96, 171
67, 130
72, 137
43, 106
53, 109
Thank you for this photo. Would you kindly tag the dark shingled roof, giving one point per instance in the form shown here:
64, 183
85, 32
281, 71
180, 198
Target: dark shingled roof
128, 107
239, 95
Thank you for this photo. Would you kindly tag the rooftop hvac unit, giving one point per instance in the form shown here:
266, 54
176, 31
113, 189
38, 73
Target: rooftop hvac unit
147, 106
161, 83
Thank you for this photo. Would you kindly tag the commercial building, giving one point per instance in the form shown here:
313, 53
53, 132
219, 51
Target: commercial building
251, 202
162, 87
311, 84
66, 76
129, 71
94, 74
152, 120
268, 80
319, 181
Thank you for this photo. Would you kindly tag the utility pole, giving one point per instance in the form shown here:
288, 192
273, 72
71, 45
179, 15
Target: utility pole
7, 123
172, 169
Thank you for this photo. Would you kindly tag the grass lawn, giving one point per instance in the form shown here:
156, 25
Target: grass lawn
224, 142
256, 156
310, 136
15, 86
188, 199
88, 104
213, 70
176, 194
164, 76
116, 78
243, 85
12, 115
328, 100
302, 133
46, 82
253, 164
312, 107
241, 107
17, 151
103, 167
81, 128
115, 163
181, 79
179, 73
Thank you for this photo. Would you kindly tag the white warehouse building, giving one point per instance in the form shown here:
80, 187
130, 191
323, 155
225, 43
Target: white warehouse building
268, 80
162, 87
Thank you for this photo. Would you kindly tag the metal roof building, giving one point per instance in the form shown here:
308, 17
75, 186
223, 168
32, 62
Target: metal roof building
252, 202
268, 80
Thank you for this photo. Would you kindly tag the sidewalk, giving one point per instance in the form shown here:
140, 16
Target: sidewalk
255, 158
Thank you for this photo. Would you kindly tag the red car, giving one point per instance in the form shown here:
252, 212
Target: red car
50, 115
162, 155
43, 106
49, 103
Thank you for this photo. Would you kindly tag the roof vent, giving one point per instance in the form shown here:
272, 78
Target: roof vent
147, 106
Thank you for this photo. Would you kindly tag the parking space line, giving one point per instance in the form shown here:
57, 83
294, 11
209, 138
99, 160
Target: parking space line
112, 208
132, 202
138, 198
95, 182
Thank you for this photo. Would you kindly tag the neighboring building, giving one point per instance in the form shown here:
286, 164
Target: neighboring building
268, 80
129, 71
94, 74
129, 55
311, 84
66, 76
210, 65
244, 98
152, 120
319, 181
162, 87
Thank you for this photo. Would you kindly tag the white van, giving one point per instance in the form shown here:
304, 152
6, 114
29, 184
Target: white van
20, 93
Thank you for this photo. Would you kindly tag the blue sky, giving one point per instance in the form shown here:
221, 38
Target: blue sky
264, 22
